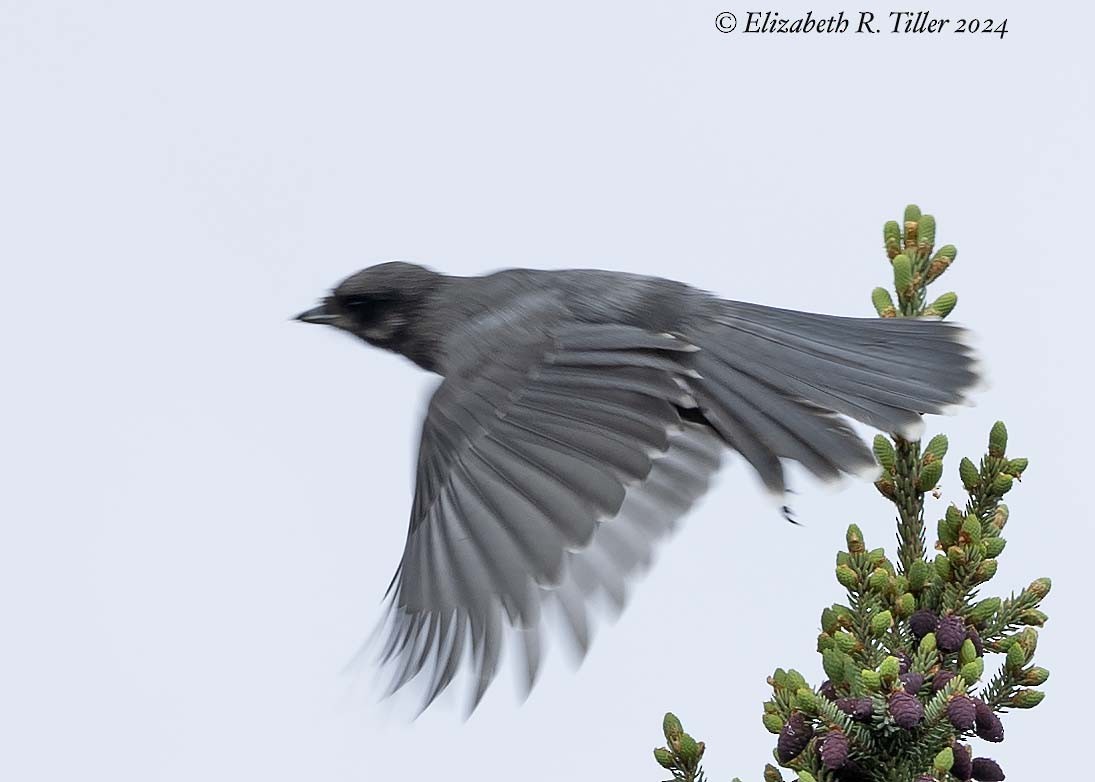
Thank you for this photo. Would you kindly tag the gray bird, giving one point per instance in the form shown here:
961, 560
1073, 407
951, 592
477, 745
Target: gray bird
582, 413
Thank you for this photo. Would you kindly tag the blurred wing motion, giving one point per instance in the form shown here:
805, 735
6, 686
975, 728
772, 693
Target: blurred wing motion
549, 469
542, 475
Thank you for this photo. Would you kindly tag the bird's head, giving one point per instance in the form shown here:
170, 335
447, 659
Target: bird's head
379, 305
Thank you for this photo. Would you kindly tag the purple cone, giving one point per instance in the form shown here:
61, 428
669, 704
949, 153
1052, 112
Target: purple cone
859, 709
912, 682
794, 737
987, 770
834, 750
989, 726
827, 690
963, 762
923, 622
950, 634
941, 679
906, 710
962, 712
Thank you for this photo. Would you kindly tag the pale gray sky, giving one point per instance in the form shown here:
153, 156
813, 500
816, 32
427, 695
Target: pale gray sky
204, 502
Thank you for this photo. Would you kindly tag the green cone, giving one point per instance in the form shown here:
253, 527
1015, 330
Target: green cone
664, 757
925, 233
880, 623
832, 662
795, 680
891, 235
927, 644
973, 670
985, 571
805, 700
1016, 467
878, 580
918, 575
845, 642
1026, 699
771, 773
982, 610
671, 726
905, 605
950, 525
994, 546
940, 262
1028, 640
688, 750
944, 760
1040, 587
1001, 484
847, 577
947, 251
936, 448
998, 439
902, 276
889, 669
883, 303
884, 451
871, 679
773, 723
942, 567
969, 474
1034, 676
912, 213
968, 653
929, 476
1015, 658
1033, 617
854, 539
943, 306
971, 531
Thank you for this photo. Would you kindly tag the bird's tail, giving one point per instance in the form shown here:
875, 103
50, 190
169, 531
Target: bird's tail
774, 383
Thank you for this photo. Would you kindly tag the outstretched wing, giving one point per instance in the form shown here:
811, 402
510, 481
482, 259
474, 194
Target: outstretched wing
546, 472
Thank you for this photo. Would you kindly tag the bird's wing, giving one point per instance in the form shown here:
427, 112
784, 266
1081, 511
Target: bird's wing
545, 474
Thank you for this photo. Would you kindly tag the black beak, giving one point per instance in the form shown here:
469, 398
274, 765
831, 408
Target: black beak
318, 314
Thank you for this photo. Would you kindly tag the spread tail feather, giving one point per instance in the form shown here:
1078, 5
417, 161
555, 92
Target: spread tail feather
775, 383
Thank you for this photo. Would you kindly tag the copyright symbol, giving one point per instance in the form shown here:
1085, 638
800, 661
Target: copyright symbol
726, 22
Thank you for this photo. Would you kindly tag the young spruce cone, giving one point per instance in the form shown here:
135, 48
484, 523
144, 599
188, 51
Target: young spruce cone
988, 724
794, 737
906, 710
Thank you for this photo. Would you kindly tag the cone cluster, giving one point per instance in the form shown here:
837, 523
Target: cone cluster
904, 655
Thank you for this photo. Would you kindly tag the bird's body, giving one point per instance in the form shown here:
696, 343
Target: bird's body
581, 415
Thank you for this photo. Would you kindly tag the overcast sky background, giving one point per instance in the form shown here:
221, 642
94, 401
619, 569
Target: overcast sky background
203, 502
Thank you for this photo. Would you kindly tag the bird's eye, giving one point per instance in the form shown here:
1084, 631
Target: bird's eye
356, 303
369, 308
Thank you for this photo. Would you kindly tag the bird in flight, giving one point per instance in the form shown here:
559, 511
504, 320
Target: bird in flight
580, 415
